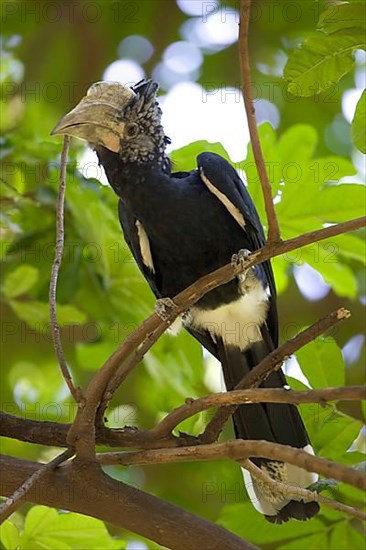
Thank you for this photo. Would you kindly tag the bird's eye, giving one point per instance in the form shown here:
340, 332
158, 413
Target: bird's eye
131, 130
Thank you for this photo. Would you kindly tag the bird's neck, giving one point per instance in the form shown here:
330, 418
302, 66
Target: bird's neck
129, 179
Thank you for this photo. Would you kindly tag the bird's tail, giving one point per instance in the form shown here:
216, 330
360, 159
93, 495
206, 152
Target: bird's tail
278, 423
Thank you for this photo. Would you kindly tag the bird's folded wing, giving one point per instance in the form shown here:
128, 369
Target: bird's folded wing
223, 181
138, 241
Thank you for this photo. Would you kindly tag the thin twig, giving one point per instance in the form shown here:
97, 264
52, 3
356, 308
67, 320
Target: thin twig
289, 491
270, 363
13, 502
239, 450
60, 236
263, 395
246, 87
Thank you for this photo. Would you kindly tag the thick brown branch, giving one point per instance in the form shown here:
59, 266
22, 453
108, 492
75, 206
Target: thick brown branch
270, 363
60, 235
240, 450
55, 434
87, 490
246, 87
17, 498
237, 397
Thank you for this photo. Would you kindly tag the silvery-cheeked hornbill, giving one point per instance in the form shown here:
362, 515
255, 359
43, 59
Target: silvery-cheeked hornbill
181, 226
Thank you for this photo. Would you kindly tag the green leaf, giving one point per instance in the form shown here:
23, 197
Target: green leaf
37, 315
47, 529
338, 275
331, 204
349, 246
322, 60
340, 202
316, 541
19, 281
354, 458
342, 16
344, 537
70, 315
37, 383
346, 493
334, 434
185, 157
322, 363
280, 268
331, 433
174, 371
298, 143
267, 136
359, 124
102, 244
9, 535
92, 356
249, 524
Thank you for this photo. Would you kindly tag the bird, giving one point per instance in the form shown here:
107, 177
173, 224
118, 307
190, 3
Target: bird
181, 226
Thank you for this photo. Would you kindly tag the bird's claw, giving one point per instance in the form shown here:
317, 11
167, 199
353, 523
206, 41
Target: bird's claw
239, 260
164, 308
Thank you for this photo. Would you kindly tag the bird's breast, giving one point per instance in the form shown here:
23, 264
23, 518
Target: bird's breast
238, 322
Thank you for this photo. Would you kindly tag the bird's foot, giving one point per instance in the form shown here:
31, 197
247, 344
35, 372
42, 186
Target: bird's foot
164, 307
239, 260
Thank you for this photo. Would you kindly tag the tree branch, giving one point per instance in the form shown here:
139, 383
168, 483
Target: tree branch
17, 498
239, 450
246, 88
243, 397
86, 489
55, 434
60, 237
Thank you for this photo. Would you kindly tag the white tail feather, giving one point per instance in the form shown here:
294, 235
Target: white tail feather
268, 504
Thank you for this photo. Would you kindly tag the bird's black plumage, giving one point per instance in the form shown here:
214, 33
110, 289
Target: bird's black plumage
181, 226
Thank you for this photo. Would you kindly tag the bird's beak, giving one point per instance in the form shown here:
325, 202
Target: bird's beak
96, 118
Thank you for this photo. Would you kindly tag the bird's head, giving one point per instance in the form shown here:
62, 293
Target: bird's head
124, 120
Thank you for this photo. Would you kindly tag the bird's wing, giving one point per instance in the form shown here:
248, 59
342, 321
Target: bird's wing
138, 241
223, 181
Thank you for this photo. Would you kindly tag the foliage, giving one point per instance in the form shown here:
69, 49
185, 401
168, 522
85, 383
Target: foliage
358, 129
101, 295
325, 57
45, 528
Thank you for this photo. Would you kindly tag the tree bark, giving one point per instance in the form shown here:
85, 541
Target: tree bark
86, 489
